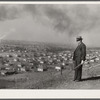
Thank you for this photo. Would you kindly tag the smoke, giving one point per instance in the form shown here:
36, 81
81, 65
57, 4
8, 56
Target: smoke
66, 20
10, 12
4, 35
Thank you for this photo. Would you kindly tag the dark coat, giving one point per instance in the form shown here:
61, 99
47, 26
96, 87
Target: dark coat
79, 55
80, 52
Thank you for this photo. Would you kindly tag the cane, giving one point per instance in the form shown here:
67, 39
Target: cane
94, 66
61, 70
78, 67
72, 69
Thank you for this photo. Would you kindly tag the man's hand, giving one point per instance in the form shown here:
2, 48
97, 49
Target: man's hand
82, 62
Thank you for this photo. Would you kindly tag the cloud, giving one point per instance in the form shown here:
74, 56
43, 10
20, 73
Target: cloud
61, 19
68, 19
10, 12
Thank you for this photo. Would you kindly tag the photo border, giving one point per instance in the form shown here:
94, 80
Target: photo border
49, 94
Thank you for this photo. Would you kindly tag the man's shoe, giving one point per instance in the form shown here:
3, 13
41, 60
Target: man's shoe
74, 80
77, 80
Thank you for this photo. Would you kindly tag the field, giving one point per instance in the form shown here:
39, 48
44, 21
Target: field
32, 65
33, 80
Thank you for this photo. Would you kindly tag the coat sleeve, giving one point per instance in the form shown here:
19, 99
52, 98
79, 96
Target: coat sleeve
83, 53
74, 56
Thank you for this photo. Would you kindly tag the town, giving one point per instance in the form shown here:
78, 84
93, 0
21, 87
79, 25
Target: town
16, 57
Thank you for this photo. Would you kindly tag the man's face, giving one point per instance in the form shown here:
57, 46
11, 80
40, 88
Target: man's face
77, 41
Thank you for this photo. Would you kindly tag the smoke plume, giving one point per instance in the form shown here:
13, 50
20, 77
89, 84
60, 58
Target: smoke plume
66, 20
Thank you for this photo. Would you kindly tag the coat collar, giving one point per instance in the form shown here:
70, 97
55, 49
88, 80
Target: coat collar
79, 43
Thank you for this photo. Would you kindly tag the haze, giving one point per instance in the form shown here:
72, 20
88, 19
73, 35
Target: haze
51, 23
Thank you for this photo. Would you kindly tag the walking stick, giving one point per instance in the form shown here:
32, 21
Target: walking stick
79, 66
72, 69
94, 66
61, 70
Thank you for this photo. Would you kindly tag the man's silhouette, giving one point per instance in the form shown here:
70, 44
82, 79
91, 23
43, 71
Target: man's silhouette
79, 58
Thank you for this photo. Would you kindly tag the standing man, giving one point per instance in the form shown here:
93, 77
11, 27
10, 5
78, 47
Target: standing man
79, 58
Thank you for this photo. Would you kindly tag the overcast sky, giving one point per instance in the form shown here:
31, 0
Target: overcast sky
59, 23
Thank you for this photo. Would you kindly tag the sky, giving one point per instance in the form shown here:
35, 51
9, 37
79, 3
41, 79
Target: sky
54, 23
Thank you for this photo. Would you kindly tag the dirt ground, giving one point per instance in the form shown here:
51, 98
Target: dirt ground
90, 80
52, 79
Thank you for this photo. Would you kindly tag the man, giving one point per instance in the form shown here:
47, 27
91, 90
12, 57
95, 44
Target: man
79, 58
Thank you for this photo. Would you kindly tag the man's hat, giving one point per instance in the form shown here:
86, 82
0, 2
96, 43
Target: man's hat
79, 38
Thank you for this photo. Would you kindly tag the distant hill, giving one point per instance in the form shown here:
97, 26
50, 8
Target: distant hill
40, 45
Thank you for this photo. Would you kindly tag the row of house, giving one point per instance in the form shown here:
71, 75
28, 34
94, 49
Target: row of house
17, 59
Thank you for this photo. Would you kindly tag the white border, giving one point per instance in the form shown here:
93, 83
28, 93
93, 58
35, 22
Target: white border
18, 93
49, 2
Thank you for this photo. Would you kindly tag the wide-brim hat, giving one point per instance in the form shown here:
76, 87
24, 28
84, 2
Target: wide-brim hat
79, 38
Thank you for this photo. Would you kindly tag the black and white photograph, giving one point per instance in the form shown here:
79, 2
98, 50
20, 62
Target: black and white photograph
50, 46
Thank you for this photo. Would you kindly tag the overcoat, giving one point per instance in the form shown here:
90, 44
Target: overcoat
78, 56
